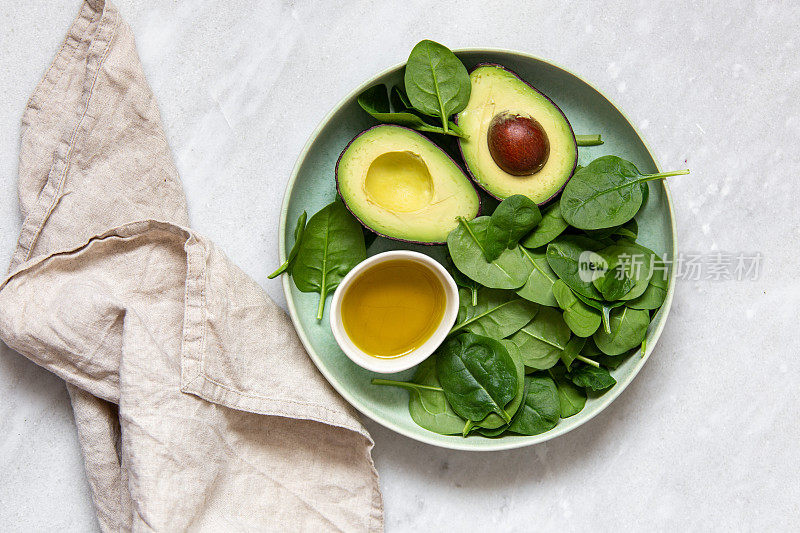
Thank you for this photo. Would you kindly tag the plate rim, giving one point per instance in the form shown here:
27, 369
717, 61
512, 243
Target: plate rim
470, 444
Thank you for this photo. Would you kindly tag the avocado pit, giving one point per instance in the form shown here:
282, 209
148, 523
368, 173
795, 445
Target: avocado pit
518, 143
399, 182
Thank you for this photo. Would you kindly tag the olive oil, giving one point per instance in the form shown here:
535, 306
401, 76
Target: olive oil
393, 308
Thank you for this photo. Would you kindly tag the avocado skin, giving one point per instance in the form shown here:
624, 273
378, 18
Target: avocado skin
379, 234
461, 151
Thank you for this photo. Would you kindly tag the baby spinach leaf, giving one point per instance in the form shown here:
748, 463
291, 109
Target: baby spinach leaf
494, 421
656, 290
332, 244
564, 257
298, 236
512, 220
463, 281
497, 314
465, 244
572, 350
375, 101
614, 283
605, 193
551, 226
591, 377
628, 328
477, 374
541, 408
571, 398
632, 261
541, 341
427, 404
436, 82
582, 319
539, 286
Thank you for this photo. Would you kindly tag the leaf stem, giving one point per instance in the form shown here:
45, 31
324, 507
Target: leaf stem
588, 361
661, 175
606, 311
588, 140
467, 428
405, 385
474, 290
281, 269
321, 306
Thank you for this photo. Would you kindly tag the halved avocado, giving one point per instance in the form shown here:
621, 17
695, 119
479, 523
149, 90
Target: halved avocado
512, 125
402, 186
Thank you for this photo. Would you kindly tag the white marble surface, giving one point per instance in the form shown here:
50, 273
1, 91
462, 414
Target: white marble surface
707, 435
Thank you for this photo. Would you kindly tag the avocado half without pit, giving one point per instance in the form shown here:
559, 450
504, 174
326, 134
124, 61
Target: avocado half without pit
517, 140
402, 186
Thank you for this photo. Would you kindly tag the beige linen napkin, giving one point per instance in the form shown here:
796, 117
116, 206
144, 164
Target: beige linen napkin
196, 405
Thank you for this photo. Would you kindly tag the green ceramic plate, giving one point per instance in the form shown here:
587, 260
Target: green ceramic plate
311, 187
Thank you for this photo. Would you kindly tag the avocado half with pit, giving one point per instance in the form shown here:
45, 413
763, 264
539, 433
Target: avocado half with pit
402, 186
519, 141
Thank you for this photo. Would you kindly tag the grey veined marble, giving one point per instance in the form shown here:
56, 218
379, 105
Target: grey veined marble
706, 436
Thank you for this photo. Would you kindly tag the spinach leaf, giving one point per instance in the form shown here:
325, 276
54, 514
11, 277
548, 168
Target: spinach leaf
572, 350
463, 281
465, 243
375, 101
591, 377
478, 376
427, 404
298, 236
512, 220
604, 307
628, 328
332, 244
497, 314
436, 82
656, 290
539, 286
400, 103
541, 341
571, 398
629, 230
582, 319
564, 256
605, 193
551, 226
541, 408
631, 261
494, 421
614, 283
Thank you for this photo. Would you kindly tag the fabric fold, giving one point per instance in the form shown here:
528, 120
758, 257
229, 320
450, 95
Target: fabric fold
196, 404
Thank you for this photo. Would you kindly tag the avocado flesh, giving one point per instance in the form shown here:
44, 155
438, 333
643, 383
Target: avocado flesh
497, 90
402, 186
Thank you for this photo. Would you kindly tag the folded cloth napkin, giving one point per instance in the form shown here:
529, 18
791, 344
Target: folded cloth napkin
196, 405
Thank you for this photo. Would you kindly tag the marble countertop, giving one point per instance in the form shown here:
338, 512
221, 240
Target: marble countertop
707, 435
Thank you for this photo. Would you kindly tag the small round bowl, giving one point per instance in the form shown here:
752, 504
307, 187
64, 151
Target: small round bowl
415, 357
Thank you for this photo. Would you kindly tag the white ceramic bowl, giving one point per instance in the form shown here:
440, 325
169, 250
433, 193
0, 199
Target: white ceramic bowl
397, 364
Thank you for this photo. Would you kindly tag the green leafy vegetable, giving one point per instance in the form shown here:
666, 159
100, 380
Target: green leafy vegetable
591, 377
572, 351
656, 290
512, 220
375, 101
496, 314
427, 403
571, 398
539, 285
551, 226
628, 329
332, 244
463, 281
541, 408
582, 319
605, 193
436, 82
494, 421
478, 376
541, 341
465, 243
298, 236
565, 255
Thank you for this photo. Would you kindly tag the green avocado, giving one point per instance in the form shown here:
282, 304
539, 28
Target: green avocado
402, 186
533, 133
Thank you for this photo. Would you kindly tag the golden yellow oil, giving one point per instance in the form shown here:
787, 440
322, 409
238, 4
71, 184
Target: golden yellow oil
393, 308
